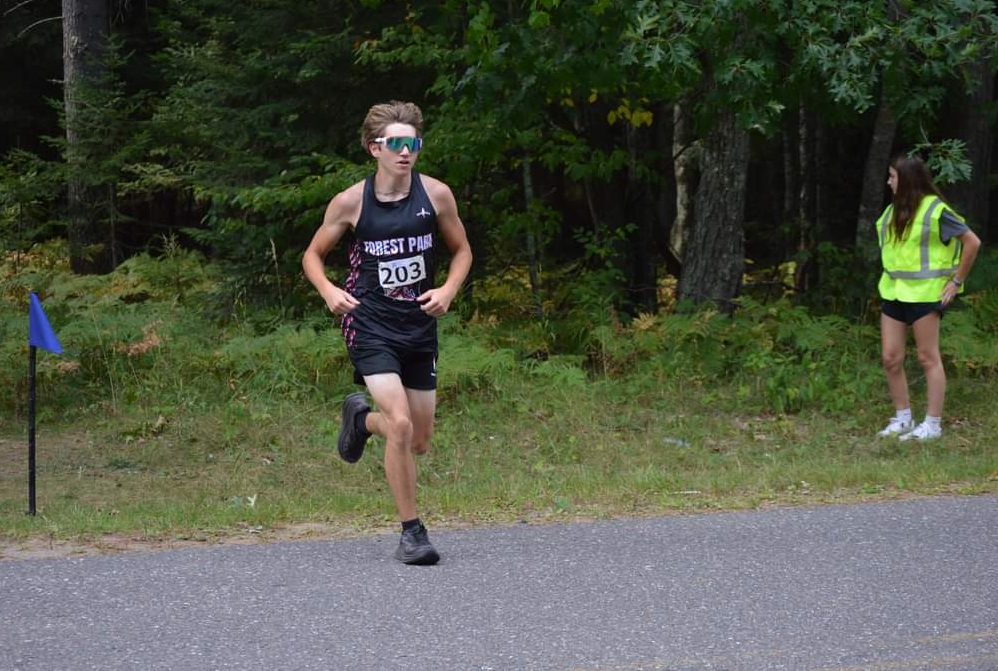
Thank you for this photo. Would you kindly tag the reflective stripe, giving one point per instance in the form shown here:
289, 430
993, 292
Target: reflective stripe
923, 244
924, 272
926, 234
886, 217
919, 274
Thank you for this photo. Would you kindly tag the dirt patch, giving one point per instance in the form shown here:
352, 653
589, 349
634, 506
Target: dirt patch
50, 548
42, 547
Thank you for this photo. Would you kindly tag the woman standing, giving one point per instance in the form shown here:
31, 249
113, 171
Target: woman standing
927, 251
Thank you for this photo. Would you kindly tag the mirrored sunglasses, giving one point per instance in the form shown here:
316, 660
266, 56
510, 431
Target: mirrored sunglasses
396, 143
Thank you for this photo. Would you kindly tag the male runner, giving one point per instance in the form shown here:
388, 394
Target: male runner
389, 303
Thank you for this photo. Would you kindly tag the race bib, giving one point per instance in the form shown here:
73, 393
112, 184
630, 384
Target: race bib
401, 272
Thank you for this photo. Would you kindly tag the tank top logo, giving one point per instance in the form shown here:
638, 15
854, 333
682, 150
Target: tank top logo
393, 246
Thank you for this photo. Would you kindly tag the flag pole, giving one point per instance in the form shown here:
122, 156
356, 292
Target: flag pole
40, 334
33, 351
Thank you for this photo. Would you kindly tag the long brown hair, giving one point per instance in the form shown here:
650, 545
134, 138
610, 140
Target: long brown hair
914, 183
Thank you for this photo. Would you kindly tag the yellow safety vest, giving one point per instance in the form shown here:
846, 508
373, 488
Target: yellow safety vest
917, 268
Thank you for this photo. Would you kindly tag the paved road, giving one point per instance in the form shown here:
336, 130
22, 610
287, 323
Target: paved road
906, 585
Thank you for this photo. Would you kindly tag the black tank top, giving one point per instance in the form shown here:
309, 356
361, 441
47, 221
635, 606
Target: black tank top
391, 264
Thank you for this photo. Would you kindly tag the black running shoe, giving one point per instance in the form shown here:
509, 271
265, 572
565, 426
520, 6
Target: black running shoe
351, 441
415, 548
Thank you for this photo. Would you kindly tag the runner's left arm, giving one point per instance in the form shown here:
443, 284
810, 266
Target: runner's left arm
436, 302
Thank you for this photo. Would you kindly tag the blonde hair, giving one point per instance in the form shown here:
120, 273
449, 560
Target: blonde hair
379, 117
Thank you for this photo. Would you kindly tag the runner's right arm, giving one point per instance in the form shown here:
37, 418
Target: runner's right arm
341, 216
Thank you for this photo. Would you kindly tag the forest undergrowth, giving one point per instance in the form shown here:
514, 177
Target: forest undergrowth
180, 409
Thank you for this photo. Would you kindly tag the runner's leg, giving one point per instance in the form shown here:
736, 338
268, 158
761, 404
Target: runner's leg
393, 422
422, 409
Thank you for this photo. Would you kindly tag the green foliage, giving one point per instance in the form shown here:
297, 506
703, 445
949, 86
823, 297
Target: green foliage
542, 85
291, 362
179, 422
970, 329
140, 333
250, 112
776, 357
985, 273
28, 185
110, 131
261, 231
795, 360
537, 219
946, 159
251, 86
472, 366
601, 246
855, 46
562, 372
259, 109
677, 45
970, 335
843, 288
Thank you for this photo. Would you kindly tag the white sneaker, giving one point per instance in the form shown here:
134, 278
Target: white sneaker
923, 431
896, 427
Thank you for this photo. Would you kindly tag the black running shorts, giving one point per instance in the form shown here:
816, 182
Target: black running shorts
418, 370
909, 313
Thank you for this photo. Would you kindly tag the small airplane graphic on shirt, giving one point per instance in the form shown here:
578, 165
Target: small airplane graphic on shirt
422, 212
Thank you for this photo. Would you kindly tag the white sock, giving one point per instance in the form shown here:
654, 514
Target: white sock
934, 422
904, 415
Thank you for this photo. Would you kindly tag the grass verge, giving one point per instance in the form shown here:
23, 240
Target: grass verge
519, 450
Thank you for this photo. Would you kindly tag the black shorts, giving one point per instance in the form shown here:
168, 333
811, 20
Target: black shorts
418, 370
909, 313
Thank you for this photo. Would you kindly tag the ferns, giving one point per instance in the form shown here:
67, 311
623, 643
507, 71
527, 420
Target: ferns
140, 336
970, 334
291, 362
776, 356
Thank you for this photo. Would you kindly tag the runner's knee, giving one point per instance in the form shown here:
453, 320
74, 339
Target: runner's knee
421, 442
399, 429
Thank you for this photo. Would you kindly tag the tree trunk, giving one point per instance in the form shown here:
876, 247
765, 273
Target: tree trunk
871, 204
790, 138
685, 151
607, 199
807, 201
972, 198
533, 264
878, 158
642, 281
666, 198
715, 249
471, 226
85, 32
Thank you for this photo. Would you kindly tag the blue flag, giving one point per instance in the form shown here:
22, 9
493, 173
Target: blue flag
40, 333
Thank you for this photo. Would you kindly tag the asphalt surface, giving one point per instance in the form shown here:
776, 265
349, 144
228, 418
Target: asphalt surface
888, 586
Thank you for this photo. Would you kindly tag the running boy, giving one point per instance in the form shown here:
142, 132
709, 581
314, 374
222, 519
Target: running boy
389, 303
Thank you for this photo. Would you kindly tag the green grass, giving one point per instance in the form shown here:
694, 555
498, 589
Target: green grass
172, 416
520, 450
